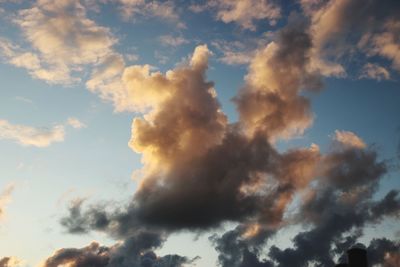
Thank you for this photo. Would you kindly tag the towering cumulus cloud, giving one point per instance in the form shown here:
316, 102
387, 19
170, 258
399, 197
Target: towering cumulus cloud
200, 171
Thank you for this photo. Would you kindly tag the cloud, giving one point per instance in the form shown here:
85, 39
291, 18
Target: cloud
374, 71
348, 139
62, 41
170, 40
133, 88
75, 123
270, 100
236, 251
245, 12
132, 57
234, 53
242, 12
165, 10
195, 179
24, 99
386, 42
337, 207
5, 198
9, 262
333, 211
31, 136
189, 150
134, 251
384, 251
348, 28
106, 81
200, 171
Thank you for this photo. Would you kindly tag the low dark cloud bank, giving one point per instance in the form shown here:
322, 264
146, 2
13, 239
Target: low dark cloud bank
134, 251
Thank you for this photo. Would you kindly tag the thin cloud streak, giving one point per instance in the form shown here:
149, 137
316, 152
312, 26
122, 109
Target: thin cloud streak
31, 136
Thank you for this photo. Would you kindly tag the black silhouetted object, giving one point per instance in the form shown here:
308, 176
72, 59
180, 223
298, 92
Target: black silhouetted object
357, 256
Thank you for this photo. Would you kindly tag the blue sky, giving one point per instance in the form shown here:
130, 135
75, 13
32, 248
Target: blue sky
69, 95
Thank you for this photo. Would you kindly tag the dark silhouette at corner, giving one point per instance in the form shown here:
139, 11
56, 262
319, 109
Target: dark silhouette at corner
356, 257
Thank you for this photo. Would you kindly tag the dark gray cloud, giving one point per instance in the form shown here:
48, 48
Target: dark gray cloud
135, 251
384, 251
338, 207
335, 210
236, 251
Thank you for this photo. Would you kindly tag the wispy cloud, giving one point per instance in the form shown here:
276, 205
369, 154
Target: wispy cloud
5, 198
385, 42
31, 136
56, 55
75, 123
165, 10
234, 53
24, 99
348, 139
374, 71
245, 13
174, 41
338, 30
26, 135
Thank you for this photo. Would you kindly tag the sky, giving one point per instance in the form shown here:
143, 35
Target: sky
137, 133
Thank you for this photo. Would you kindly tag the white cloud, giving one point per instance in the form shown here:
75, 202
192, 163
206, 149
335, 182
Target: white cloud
31, 136
75, 123
374, 71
